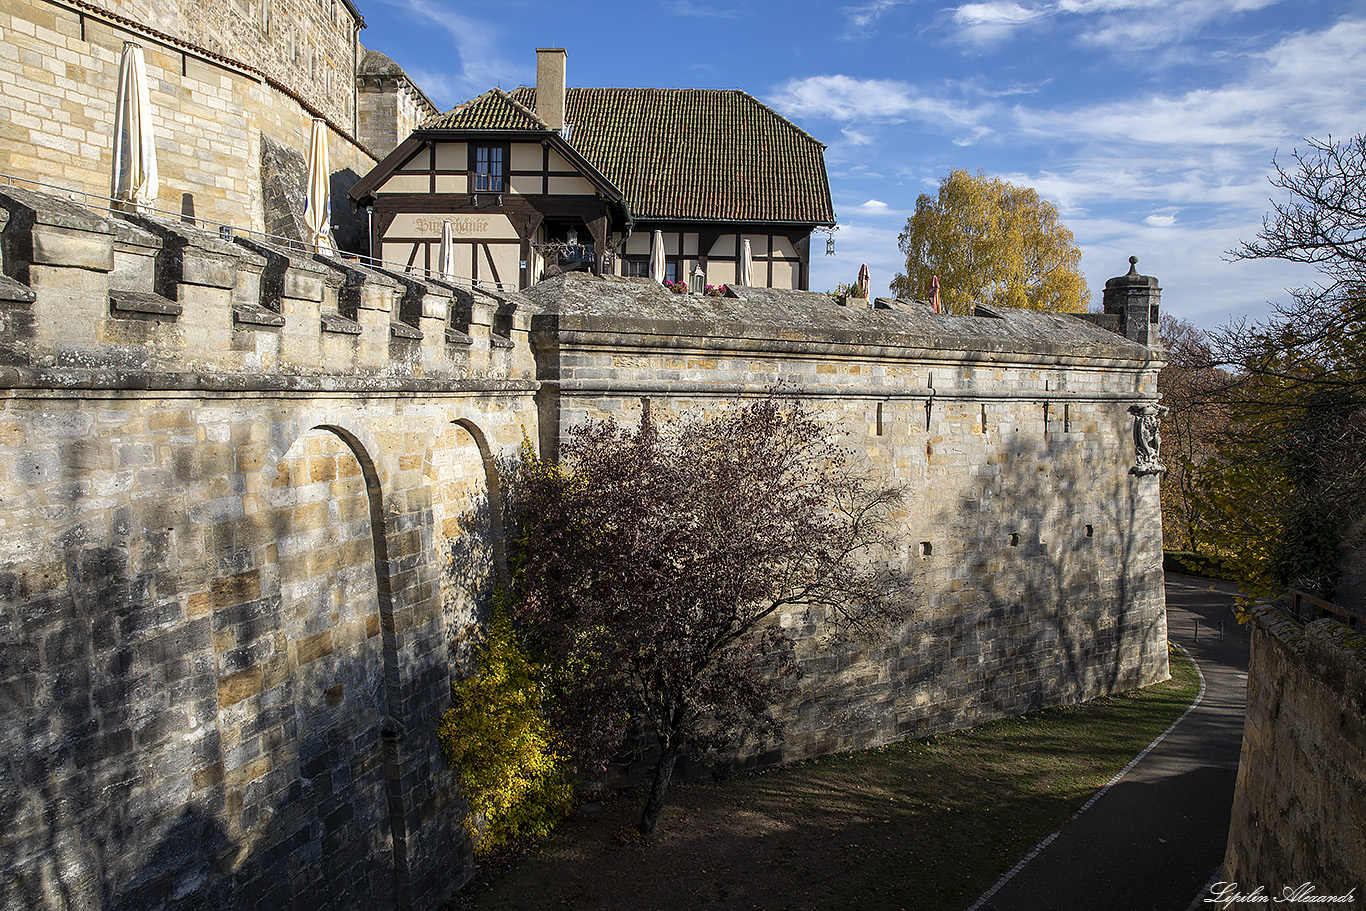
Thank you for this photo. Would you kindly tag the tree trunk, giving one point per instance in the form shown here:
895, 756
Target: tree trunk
663, 772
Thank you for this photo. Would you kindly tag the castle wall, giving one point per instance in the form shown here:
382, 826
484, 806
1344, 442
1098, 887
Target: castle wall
251, 512
217, 122
231, 480
1299, 809
1035, 552
387, 112
308, 45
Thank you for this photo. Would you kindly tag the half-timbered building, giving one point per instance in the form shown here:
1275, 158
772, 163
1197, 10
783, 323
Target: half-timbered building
548, 179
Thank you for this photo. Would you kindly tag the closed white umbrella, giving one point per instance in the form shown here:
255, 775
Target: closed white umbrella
135, 184
746, 264
317, 206
446, 256
657, 257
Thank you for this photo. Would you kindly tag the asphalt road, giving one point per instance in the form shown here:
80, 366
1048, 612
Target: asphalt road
1153, 841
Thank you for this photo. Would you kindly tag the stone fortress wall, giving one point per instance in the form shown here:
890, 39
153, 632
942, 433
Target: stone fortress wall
1035, 552
251, 509
235, 85
237, 494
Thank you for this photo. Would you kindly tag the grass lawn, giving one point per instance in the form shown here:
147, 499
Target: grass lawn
924, 824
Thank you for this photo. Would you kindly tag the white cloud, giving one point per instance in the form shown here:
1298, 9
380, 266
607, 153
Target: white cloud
1127, 24
856, 137
996, 13
844, 98
874, 205
1308, 84
1159, 23
1160, 220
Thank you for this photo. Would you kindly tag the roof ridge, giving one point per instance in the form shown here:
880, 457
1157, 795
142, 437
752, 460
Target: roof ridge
781, 117
736, 91
494, 93
523, 108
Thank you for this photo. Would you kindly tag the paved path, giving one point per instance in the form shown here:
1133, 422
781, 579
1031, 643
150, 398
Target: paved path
1155, 838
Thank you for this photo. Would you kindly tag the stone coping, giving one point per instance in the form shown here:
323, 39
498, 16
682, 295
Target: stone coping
641, 308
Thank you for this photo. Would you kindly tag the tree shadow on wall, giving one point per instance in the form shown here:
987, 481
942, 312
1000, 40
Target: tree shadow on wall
468, 579
1066, 601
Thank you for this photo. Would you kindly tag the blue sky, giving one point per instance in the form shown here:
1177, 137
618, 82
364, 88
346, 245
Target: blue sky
1151, 123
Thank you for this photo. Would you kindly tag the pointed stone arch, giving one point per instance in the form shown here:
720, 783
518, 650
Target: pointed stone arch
312, 752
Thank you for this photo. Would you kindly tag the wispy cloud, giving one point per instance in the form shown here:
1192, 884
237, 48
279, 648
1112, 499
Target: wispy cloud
1308, 84
704, 11
991, 22
479, 65
1133, 24
844, 98
865, 14
997, 13
1129, 24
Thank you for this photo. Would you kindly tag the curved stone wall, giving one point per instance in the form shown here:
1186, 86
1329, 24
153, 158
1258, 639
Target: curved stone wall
216, 121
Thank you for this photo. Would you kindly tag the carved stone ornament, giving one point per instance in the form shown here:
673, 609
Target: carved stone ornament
1147, 439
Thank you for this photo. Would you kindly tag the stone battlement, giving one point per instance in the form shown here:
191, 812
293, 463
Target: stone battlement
124, 295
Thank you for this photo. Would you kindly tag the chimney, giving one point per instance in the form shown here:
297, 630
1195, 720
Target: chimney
550, 63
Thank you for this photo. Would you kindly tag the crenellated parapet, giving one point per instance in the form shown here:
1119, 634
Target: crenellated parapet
88, 290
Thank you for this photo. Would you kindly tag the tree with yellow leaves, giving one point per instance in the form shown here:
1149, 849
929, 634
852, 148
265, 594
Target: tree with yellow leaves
990, 242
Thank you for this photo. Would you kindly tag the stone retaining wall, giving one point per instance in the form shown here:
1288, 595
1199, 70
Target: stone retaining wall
1299, 810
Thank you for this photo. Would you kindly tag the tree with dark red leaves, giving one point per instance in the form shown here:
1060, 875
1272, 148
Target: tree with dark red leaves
655, 563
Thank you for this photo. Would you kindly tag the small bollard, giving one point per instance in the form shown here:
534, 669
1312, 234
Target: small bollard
1221, 631
1197, 630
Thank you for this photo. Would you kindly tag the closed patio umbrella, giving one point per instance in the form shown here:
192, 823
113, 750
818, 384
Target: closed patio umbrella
657, 257
135, 185
746, 263
446, 256
317, 206
934, 295
864, 280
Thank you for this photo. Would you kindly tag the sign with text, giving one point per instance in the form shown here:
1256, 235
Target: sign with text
463, 227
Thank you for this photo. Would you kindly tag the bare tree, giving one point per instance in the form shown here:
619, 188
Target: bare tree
1195, 391
1288, 482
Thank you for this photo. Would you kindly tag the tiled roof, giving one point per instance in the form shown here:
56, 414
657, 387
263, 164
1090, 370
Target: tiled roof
706, 154
493, 110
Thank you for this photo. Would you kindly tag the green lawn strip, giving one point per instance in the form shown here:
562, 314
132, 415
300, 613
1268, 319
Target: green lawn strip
923, 824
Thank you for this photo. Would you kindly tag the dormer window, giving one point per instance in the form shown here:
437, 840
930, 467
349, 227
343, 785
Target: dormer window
488, 169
